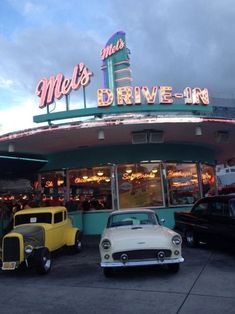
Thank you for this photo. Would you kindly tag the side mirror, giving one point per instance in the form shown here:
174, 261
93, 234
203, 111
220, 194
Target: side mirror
162, 221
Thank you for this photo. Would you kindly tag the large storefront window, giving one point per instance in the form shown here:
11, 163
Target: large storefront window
183, 186
140, 185
208, 180
53, 188
128, 186
91, 187
86, 188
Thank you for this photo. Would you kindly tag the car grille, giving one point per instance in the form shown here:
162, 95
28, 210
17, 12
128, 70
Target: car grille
11, 249
141, 254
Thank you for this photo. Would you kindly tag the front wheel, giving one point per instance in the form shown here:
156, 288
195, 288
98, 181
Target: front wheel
191, 238
43, 261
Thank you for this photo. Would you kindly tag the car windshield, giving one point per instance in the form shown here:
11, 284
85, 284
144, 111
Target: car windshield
232, 207
33, 218
131, 218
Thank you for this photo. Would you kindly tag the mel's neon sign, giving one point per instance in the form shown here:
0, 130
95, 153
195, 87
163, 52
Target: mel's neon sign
112, 48
139, 95
55, 87
113, 94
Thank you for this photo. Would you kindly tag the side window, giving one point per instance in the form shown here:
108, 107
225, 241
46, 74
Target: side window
201, 209
219, 208
58, 217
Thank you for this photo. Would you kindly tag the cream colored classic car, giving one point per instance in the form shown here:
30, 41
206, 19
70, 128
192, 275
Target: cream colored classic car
36, 233
136, 238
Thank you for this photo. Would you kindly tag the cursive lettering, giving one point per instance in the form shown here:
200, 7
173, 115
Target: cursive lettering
57, 86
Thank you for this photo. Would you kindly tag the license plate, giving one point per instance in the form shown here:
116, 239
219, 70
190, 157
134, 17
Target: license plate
8, 265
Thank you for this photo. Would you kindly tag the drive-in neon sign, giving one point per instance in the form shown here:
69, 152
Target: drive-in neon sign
58, 86
157, 94
113, 93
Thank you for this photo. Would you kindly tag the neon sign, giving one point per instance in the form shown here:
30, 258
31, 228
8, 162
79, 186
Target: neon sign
58, 86
138, 176
91, 179
179, 173
137, 95
112, 48
116, 96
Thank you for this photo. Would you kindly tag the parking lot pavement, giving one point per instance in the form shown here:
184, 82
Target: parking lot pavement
204, 284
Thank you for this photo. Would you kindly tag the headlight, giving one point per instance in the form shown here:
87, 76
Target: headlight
28, 249
106, 244
176, 240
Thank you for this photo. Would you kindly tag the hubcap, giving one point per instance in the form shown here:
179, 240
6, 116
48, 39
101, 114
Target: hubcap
46, 262
190, 238
79, 244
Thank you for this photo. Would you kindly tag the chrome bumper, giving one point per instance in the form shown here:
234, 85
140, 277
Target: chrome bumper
143, 263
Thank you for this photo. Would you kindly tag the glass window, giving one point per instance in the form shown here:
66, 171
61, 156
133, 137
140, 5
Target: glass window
208, 180
219, 208
201, 209
58, 217
33, 218
53, 188
131, 218
90, 188
182, 181
140, 185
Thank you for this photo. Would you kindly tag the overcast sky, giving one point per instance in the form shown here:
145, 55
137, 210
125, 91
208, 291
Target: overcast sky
172, 42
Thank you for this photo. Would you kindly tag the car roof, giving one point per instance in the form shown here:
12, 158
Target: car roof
218, 197
226, 197
51, 209
132, 210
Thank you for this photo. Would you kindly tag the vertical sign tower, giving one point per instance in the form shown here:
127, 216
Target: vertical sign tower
116, 62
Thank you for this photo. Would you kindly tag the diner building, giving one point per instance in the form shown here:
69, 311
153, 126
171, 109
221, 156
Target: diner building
140, 147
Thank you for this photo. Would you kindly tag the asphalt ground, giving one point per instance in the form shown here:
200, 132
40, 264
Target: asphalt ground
205, 283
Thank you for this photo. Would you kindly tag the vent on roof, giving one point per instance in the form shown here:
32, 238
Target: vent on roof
156, 137
147, 136
222, 136
139, 137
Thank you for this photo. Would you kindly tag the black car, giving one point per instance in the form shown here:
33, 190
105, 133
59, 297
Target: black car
211, 219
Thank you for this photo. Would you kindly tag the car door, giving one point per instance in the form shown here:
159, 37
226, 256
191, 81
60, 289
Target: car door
200, 219
57, 232
220, 220
231, 219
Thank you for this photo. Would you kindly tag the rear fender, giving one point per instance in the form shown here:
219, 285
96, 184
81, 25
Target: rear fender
70, 236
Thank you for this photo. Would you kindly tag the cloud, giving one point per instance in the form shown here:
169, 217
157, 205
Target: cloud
180, 42
176, 43
37, 54
18, 117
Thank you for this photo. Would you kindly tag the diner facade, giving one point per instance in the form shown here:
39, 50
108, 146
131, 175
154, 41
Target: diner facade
141, 147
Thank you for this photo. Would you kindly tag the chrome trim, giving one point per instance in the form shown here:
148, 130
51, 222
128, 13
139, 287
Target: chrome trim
143, 263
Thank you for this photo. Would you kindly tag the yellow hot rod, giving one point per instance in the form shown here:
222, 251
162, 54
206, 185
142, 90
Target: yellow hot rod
36, 233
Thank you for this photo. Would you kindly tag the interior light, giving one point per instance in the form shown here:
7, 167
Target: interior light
100, 173
128, 170
85, 177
